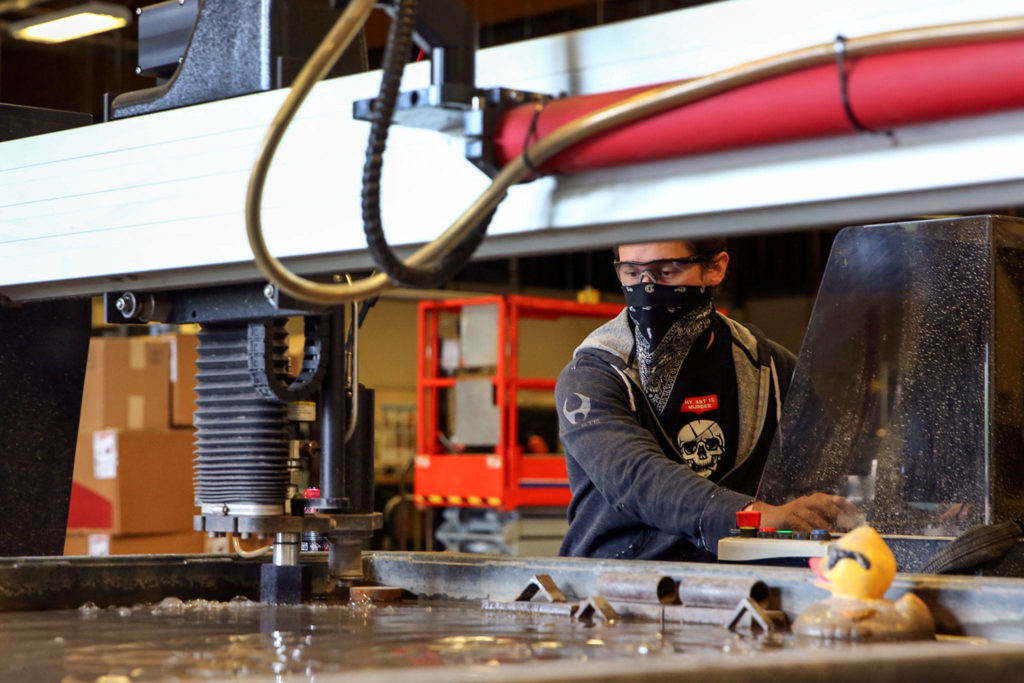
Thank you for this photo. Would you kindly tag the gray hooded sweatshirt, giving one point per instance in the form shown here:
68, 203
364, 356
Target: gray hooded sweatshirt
633, 496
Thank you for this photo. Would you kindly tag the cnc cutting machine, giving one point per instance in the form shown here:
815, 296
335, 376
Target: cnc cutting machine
148, 208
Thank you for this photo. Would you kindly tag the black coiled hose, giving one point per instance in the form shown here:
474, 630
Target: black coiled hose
396, 53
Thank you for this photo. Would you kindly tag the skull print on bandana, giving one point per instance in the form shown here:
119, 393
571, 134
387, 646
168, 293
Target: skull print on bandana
702, 444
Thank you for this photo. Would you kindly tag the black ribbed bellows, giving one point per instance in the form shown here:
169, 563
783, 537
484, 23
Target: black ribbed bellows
241, 450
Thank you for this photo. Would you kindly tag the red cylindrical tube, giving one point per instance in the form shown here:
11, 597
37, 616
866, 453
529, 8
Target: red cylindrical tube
885, 91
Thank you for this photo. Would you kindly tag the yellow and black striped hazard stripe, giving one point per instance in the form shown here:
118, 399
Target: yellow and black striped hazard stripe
491, 501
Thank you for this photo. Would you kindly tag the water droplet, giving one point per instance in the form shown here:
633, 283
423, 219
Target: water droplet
89, 610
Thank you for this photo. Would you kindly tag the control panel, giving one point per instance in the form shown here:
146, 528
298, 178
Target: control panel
751, 542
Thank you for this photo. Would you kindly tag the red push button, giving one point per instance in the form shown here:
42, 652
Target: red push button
747, 519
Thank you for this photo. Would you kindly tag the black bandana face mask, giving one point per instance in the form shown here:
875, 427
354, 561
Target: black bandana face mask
667, 319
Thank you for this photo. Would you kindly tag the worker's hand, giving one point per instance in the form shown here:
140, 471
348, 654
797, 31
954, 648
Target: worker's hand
957, 512
816, 511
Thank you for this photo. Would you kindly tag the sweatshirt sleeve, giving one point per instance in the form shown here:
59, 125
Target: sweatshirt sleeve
626, 464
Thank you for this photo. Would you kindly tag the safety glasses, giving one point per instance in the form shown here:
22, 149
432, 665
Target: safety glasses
664, 271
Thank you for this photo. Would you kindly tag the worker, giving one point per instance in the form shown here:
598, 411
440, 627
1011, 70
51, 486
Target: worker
667, 412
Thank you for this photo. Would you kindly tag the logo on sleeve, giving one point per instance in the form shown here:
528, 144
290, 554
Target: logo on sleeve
578, 414
700, 404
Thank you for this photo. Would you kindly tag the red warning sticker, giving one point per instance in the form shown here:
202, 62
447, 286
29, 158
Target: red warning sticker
700, 404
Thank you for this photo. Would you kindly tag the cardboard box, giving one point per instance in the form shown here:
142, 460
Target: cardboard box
133, 482
99, 545
184, 352
126, 385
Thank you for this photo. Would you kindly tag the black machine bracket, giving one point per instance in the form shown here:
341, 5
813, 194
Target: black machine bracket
447, 32
210, 304
480, 121
205, 50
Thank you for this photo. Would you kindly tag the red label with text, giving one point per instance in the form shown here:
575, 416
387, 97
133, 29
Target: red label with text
700, 404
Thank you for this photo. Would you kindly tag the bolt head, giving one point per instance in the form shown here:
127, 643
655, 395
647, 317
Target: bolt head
126, 304
269, 291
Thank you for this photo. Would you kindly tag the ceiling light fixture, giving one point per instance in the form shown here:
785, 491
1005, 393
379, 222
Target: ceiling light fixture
71, 23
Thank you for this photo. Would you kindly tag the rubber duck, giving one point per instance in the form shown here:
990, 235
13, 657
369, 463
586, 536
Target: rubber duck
857, 570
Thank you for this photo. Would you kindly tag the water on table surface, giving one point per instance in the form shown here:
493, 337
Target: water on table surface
202, 639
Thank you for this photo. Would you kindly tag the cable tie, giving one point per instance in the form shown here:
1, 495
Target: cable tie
844, 89
531, 132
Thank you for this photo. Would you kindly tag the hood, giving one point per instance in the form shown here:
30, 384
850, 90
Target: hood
615, 340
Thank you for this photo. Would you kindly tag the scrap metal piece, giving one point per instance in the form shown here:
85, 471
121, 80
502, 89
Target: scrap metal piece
721, 592
556, 608
758, 615
648, 588
716, 615
642, 611
543, 584
375, 593
706, 615
540, 584
596, 607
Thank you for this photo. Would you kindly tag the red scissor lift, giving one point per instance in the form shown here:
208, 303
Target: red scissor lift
507, 478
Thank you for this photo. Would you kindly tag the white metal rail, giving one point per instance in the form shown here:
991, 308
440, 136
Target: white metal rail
158, 199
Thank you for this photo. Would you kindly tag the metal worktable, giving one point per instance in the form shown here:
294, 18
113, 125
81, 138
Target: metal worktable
979, 619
